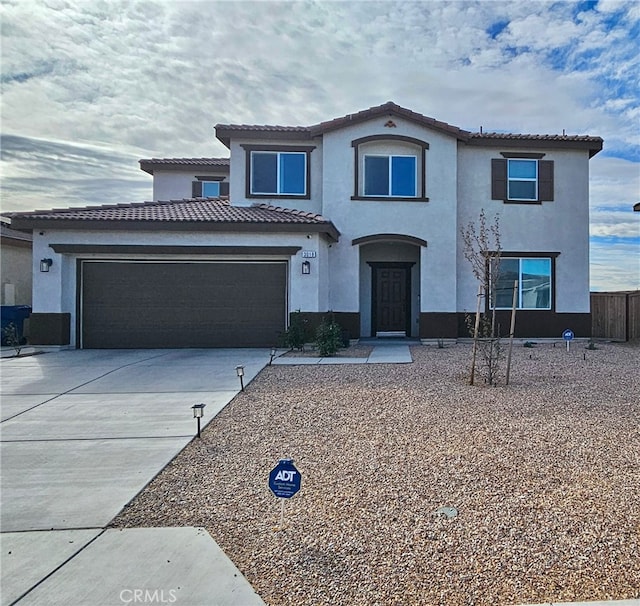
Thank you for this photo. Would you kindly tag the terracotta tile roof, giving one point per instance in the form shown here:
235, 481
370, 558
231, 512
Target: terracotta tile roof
513, 140
190, 210
585, 138
389, 108
148, 165
264, 128
225, 131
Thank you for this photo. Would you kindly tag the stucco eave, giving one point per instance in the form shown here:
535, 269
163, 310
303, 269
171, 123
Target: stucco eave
327, 229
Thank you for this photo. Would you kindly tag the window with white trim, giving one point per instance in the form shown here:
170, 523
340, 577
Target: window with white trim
279, 173
390, 175
534, 282
522, 179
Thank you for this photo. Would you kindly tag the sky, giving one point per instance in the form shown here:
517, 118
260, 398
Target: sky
89, 88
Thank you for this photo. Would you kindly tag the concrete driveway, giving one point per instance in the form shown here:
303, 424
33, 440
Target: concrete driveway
82, 432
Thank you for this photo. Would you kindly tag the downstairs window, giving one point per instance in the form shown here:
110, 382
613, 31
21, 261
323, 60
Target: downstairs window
534, 276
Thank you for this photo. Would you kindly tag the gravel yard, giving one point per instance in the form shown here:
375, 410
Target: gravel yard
544, 475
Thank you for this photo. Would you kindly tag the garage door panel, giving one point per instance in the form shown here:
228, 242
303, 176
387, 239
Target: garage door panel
156, 305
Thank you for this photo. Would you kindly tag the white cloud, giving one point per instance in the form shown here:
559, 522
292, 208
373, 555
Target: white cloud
152, 78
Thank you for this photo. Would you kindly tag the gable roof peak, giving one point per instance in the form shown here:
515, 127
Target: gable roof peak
387, 108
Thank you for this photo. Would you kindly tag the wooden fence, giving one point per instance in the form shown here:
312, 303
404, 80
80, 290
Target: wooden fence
615, 315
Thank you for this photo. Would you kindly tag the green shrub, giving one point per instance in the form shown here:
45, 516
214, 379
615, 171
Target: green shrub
328, 338
295, 336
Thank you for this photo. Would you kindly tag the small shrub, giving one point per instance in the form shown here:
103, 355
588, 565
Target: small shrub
591, 345
491, 352
12, 338
295, 336
328, 338
529, 344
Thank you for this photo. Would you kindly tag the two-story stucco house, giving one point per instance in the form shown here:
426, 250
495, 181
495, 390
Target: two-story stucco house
360, 216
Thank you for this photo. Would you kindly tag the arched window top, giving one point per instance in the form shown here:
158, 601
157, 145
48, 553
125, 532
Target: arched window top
389, 238
390, 167
389, 137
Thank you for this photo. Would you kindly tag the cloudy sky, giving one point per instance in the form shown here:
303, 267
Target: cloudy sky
89, 88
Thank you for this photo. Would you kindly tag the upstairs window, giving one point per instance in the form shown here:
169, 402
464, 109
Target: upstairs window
390, 176
390, 168
210, 189
522, 179
278, 173
534, 276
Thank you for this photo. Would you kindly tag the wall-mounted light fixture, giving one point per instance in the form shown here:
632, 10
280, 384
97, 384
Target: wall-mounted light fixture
45, 264
306, 267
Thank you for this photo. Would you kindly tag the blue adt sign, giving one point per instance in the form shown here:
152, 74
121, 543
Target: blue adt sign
568, 335
284, 479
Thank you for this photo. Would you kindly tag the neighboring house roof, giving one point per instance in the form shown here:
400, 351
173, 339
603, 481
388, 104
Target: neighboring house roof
14, 238
224, 132
212, 214
217, 164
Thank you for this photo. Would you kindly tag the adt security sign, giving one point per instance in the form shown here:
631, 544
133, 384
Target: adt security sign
284, 479
568, 335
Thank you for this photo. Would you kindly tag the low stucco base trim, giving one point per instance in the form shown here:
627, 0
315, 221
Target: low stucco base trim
529, 324
50, 329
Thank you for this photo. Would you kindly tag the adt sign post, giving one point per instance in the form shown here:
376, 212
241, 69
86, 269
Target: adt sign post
568, 335
284, 482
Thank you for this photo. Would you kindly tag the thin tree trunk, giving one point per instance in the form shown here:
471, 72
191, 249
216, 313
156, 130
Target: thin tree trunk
513, 327
475, 337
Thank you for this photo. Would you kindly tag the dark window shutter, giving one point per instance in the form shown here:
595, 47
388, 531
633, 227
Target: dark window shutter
545, 180
224, 188
196, 189
498, 179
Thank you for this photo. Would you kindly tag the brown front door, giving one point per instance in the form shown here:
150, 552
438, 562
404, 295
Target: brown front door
390, 297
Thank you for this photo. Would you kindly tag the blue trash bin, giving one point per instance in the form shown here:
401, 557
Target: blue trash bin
15, 314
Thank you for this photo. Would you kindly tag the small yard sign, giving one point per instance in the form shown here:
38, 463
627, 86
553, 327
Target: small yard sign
284, 482
284, 479
568, 335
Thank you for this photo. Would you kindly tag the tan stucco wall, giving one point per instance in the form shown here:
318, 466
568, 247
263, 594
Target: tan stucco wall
15, 268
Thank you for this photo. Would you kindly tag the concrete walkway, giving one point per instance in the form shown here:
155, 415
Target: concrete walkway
386, 353
82, 432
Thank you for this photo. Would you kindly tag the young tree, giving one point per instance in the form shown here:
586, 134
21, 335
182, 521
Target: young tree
482, 248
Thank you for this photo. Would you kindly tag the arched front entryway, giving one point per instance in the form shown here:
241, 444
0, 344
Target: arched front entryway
389, 285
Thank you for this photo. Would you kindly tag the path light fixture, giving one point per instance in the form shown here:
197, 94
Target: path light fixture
306, 267
240, 373
198, 412
45, 264
272, 355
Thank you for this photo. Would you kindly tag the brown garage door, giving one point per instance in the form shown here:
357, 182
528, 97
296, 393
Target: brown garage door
153, 305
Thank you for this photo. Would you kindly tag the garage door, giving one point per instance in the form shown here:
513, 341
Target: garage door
157, 305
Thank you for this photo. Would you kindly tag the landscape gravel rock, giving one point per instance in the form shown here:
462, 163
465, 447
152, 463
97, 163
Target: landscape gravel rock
543, 474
